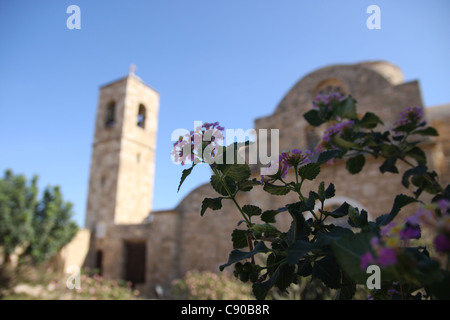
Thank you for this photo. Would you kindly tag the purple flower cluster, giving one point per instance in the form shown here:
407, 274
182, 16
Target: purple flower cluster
337, 129
442, 243
442, 240
340, 129
388, 246
186, 147
296, 158
436, 216
385, 256
286, 160
325, 100
210, 126
182, 150
413, 115
277, 169
409, 230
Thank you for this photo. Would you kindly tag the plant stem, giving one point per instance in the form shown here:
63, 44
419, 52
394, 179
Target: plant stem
301, 195
447, 265
231, 196
296, 175
250, 247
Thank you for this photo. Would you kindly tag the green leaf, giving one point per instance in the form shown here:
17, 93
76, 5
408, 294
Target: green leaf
321, 191
247, 185
238, 255
348, 288
325, 238
328, 270
356, 219
347, 108
417, 154
237, 172
184, 175
440, 288
286, 277
348, 251
409, 127
260, 289
251, 210
276, 190
311, 201
355, 164
328, 155
304, 268
342, 143
400, 201
216, 183
330, 191
340, 212
430, 131
212, 203
269, 216
265, 228
389, 166
300, 206
298, 250
427, 182
239, 239
299, 228
370, 121
313, 118
416, 171
389, 151
309, 171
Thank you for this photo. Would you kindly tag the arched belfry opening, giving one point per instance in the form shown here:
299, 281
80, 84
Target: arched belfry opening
142, 113
110, 115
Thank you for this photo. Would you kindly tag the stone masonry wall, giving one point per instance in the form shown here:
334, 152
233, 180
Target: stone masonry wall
180, 240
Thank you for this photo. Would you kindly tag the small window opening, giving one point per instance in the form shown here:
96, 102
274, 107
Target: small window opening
110, 120
141, 116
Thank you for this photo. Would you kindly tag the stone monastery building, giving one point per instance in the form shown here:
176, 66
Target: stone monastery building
125, 239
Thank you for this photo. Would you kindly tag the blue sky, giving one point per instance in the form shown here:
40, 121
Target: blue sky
229, 61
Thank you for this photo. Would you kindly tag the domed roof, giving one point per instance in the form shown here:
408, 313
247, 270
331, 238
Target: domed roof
358, 80
377, 87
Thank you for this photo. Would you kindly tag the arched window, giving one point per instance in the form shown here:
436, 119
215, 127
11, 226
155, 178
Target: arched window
141, 116
330, 86
110, 116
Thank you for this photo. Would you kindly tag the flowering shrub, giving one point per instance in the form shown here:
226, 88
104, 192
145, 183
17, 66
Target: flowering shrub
410, 117
51, 285
338, 256
97, 288
186, 148
210, 286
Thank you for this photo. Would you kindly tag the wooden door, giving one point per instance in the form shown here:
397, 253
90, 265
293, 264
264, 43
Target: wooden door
135, 253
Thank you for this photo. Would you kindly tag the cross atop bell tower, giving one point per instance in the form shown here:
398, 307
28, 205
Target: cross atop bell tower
132, 69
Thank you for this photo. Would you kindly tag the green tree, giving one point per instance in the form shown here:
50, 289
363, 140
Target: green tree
39, 227
51, 225
18, 201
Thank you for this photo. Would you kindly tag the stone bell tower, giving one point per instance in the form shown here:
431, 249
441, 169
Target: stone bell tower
123, 157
